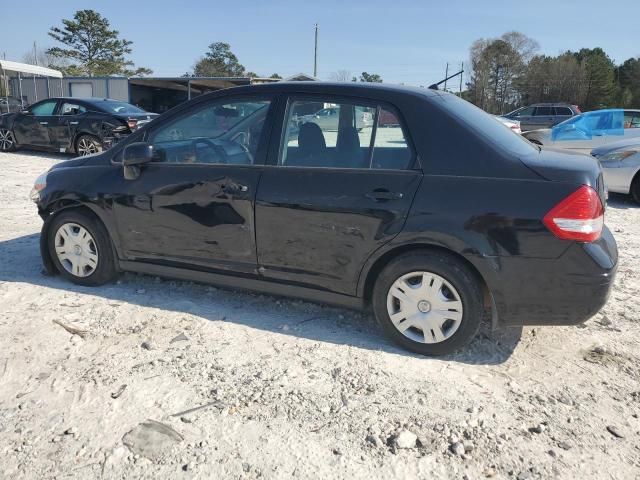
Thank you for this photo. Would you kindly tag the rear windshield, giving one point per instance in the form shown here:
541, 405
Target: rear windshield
118, 107
486, 126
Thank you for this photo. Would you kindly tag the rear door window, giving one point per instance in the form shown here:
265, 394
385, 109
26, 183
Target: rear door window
631, 119
390, 149
563, 111
72, 109
357, 135
544, 111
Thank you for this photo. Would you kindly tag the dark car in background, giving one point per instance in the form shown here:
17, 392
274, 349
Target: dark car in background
416, 221
543, 115
77, 125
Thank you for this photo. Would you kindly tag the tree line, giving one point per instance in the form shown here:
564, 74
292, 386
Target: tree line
89, 46
507, 72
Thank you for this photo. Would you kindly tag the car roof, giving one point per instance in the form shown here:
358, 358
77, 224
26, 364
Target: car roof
85, 99
552, 104
335, 88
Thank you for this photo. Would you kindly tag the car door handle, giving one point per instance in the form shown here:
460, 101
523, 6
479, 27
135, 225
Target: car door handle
383, 195
44, 123
74, 123
234, 188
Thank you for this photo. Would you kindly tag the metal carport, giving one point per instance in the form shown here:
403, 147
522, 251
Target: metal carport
31, 70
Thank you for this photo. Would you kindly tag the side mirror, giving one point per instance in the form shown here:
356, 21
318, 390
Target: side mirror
26, 112
134, 155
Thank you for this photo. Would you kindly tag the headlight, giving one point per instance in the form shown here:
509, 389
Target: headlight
39, 185
617, 156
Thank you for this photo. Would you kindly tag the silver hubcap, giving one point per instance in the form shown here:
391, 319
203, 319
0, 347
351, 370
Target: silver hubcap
86, 146
76, 250
6, 139
424, 307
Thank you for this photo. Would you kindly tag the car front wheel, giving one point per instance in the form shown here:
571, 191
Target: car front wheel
81, 249
7, 140
428, 303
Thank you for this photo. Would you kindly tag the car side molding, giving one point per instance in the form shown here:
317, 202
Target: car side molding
245, 283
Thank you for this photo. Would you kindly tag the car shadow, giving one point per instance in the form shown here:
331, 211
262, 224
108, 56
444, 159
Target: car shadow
46, 155
620, 201
20, 262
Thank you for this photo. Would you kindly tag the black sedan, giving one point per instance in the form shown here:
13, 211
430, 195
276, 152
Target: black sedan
77, 125
437, 221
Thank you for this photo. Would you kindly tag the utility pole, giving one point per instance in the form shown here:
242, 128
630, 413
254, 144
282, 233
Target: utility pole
462, 71
315, 53
446, 75
35, 54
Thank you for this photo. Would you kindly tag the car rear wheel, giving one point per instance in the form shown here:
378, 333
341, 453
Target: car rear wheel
7, 140
88, 145
81, 248
428, 303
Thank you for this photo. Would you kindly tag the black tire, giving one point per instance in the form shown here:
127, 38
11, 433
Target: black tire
87, 145
105, 270
635, 189
7, 136
450, 269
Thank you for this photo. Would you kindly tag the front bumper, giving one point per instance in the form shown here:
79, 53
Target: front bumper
564, 291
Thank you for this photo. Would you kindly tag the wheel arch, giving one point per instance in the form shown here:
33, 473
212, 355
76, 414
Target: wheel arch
83, 133
635, 180
54, 209
368, 278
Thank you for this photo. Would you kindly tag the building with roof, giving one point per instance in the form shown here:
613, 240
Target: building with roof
30, 83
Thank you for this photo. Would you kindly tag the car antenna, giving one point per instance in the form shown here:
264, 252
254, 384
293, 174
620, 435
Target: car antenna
435, 86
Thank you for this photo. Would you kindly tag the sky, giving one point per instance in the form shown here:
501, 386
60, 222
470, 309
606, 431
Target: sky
403, 41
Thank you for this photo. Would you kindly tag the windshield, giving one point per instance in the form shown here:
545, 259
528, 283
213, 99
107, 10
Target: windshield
486, 126
112, 106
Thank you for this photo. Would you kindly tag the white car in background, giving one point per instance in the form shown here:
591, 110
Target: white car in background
589, 130
620, 163
514, 125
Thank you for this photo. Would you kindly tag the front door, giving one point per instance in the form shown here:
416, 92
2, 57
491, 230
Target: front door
542, 118
524, 116
194, 205
32, 128
333, 197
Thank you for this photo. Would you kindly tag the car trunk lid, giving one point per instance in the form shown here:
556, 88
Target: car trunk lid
569, 167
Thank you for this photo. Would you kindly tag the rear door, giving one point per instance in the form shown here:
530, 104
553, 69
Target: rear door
562, 114
33, 128
194, 205
332, 197
543, 117
64, 126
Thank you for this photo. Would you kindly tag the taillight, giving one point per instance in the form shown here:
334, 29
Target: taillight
579, 217
132, 123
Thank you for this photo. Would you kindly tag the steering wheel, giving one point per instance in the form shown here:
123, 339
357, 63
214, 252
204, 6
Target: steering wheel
218, 150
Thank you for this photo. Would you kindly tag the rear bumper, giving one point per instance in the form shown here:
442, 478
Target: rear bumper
564, 291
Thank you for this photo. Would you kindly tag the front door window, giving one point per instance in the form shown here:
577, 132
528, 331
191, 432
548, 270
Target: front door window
224, 132
44, 109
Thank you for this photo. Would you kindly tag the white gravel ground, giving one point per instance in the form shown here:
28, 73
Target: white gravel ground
291, 389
